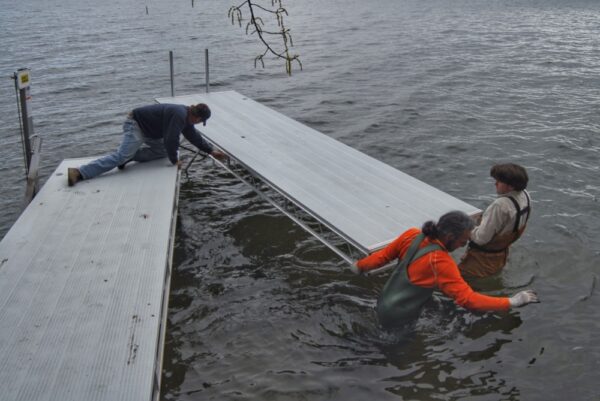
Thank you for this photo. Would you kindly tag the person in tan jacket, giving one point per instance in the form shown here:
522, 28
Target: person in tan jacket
502, 223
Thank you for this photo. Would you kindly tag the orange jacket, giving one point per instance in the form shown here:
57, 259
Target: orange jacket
435, 269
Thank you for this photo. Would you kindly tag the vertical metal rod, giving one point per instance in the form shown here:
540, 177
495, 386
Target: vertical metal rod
27, 124
206, 69
172, 79
32, 174
22, 81
15, 77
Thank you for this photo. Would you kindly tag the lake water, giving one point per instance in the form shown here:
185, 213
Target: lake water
441, 90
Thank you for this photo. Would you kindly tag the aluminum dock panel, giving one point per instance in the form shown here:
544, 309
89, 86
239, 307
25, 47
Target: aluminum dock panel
84, 282
364, 203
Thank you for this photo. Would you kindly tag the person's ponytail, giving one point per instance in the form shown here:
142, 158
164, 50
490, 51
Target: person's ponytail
451, 225
430, 230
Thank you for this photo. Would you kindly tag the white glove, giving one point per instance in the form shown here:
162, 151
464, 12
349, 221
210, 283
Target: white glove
355, 269
523, 298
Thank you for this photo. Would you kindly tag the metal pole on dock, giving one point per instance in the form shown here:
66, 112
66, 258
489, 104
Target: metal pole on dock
32, 174
172, 72
32, 154
206, 69
22, 80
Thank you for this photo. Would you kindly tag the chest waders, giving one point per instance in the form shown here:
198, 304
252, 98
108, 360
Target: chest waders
487, 260
402, 301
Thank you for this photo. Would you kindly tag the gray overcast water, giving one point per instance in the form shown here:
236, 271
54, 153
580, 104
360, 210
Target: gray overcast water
441, 90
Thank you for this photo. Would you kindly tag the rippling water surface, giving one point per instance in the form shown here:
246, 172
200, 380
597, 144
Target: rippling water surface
438, 89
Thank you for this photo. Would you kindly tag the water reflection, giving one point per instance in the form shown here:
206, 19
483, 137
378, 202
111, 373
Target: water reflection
269, 234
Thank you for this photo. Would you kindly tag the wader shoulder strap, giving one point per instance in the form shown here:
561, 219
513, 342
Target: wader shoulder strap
520, 212
412, 250
426, 250
415, 253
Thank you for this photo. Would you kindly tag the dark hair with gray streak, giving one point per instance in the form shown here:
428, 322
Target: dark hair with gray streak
454, 223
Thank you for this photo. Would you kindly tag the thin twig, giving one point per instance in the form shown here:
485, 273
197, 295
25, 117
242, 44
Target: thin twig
235, 13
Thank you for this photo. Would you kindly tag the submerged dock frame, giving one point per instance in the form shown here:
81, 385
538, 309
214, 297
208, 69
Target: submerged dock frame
344, 247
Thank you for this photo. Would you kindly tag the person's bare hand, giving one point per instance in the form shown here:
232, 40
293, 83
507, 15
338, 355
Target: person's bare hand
217, 154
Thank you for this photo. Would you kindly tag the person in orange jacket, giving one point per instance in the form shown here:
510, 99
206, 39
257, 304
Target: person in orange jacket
424, 265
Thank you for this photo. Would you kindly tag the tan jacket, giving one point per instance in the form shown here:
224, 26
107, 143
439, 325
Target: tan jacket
499, 217
501, 225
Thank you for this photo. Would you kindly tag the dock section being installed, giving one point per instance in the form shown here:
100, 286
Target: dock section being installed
84, 281
353, 203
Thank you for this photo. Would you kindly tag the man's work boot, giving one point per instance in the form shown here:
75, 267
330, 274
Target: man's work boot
73, 175
122, 166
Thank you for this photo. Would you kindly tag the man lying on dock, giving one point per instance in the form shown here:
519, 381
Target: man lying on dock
149, 133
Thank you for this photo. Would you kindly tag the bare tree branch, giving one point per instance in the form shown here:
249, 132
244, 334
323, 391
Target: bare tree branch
256, 22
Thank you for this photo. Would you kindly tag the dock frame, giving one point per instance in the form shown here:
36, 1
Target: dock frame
344, 247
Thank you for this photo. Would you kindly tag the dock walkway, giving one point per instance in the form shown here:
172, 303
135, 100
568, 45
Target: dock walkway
353, 203
84, 281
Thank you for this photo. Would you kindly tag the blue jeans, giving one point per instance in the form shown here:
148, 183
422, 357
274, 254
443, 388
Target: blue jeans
130, 149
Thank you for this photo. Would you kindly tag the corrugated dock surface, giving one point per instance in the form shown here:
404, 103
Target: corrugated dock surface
84, 281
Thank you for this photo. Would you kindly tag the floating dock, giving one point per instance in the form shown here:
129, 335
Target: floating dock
353, 203
84, 281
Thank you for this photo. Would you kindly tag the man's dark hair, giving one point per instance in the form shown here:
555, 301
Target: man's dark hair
200, 110
511, 174
454, 223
